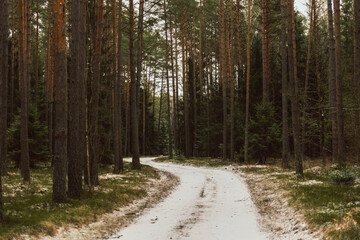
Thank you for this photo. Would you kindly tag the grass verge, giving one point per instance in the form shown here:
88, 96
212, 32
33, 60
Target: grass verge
331, 208
29, 209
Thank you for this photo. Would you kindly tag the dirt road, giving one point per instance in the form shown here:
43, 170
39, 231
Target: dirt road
208, 204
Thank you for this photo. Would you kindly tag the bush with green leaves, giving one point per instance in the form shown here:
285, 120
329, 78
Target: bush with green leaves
38, 139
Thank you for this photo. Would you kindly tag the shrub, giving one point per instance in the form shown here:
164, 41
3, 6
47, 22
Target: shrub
342, 175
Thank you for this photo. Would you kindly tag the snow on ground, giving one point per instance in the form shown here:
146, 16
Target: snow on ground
208, 204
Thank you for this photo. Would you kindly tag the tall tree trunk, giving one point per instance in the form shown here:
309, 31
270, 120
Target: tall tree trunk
60, 103
12, 68
185, 83
167, 82
127, 110
232, 84
294, 93
161, 100
284, 81
139, 61
332, 83
144, 112
246, 157
82, 148
303, 129
174, 91
207, 62
318, 90
195, 101
223, 74
118, 89
134, 102
24, 139
4, 54
37, 54
357, 63
77, 121
4, 27
265, 51
339, 106
176, 67
95, 92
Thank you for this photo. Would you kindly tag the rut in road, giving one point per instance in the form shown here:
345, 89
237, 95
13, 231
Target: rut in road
207, 204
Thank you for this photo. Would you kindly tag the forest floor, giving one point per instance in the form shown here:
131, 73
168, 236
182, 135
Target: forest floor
120, 198
292, 208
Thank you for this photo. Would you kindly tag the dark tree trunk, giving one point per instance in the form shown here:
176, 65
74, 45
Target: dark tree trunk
294, 93
185, 83
82, 148
95, 94
232, 85
339, 100
246, 157
4, 27
332, 83
23, 85
60, 103
134, 103
74, 138
174, 91
223, 74
118, 89
168, 83
303, 128
284, 81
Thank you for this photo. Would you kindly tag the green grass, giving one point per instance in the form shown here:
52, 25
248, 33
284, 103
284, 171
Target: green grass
30, 210
323, 203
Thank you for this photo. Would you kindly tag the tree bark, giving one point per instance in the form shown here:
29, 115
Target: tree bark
168, 83
223, 74
24, 139
185, 83
174, 90
246, 157
60, 103
265, 50
4, 27
134, 102
232, 84
339, 106
119, 166
303, 129
332, 83
284, 83
294, 93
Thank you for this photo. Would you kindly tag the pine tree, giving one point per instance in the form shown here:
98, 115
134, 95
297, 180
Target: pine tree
339, 99
24, 92
134, 102
284, 92
294, 90
4, 28
60, 103
167, 82
118, 88
247, 84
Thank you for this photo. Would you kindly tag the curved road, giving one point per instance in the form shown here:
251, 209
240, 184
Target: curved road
208, 204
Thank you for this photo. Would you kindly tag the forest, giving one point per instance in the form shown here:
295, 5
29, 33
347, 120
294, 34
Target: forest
87, 83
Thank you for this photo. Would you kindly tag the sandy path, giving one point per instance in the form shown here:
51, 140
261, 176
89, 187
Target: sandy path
208, 204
